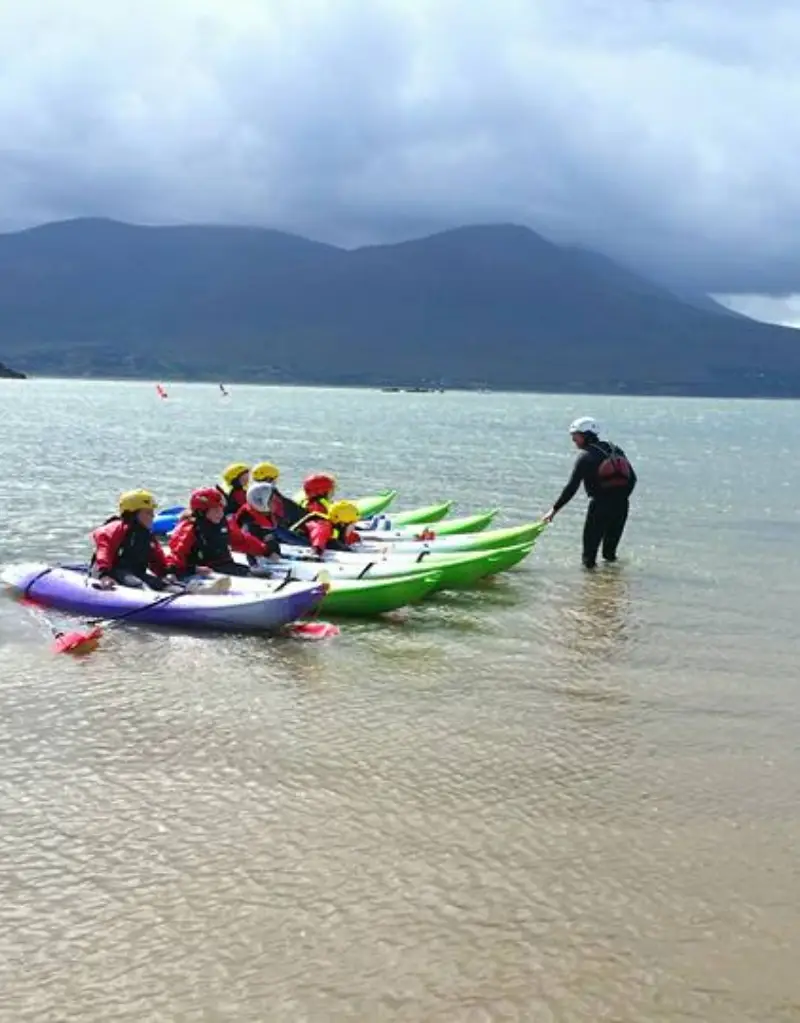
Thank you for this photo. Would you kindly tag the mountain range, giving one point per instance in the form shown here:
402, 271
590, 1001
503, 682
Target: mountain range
493, 306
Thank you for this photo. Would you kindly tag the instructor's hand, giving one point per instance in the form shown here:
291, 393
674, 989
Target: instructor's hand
549, 516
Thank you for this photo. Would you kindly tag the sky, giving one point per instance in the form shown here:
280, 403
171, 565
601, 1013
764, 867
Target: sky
664, 133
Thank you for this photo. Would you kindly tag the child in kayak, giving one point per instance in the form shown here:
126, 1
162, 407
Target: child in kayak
331, 529
200, 542
126, 552
318, 490
234, 486
252, 528
283, 510
264, 472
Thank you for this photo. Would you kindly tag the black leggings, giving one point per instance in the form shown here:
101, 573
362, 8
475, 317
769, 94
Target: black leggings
219, 568
138, 582
605, 524
231, 568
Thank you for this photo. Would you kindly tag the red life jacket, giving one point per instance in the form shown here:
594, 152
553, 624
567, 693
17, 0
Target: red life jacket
250, 520
137, 549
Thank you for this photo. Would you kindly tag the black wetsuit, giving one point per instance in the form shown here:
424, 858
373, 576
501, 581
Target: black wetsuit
608, 499
288, 511
136, 553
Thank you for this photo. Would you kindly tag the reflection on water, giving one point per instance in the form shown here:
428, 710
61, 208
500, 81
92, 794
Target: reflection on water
560, 796
599, 622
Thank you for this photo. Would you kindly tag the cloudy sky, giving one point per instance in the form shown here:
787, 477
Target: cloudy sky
665, 133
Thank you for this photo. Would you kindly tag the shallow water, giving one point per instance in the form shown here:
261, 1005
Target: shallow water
558, 797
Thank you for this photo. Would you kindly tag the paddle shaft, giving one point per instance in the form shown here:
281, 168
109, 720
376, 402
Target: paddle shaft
160, 602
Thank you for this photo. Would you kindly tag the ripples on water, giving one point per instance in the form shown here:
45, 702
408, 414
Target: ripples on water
558, 797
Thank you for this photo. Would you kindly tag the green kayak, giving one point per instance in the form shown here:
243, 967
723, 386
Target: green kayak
366, 597
501, 559
455, 570
428, 513
373, 504
466, 524
461, 570
512, 536
449, 527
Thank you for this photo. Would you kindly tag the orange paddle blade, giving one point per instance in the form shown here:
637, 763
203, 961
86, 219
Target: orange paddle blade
78, 643
314, 630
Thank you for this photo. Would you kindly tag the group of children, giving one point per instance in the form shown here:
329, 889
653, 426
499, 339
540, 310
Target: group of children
247, 514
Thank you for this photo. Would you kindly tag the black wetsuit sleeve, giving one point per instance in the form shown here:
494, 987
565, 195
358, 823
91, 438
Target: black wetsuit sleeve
292, 511
574, 482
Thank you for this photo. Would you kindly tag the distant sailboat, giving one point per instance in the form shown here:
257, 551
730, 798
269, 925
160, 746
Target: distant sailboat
224, 392
161, 392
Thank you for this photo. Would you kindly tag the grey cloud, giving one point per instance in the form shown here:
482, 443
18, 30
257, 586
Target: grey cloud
663, 132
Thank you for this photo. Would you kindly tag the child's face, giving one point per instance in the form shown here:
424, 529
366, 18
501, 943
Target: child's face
145, 517
215, 514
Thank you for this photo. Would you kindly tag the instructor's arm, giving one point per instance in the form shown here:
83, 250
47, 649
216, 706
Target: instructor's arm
570, 490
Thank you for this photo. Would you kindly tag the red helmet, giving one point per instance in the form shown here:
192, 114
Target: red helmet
208, 497
319, 484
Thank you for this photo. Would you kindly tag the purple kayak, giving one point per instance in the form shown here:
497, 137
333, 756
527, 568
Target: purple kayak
264, 610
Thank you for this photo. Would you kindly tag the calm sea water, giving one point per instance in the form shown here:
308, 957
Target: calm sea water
558, 797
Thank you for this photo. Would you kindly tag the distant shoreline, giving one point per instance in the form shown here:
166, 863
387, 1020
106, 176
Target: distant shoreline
574, 388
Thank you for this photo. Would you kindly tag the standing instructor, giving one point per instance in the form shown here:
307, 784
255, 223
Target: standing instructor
609, 481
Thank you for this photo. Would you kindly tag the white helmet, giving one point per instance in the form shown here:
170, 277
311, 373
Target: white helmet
585, 424
259, 496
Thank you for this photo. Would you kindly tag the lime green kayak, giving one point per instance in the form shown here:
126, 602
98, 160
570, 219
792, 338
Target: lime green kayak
461, 570
373, 504
512, 536
428, 513
455, 570
366, 597
465, 524
449, 527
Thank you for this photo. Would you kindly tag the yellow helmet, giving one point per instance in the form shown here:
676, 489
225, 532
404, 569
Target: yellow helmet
343, 513
234, 471
135, 501
264, 472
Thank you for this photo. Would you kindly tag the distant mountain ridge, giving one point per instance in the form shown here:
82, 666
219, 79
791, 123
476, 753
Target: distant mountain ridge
10, 374
493, 306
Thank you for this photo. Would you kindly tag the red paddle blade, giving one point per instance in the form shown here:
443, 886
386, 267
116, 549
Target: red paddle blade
78, 643
314, 630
